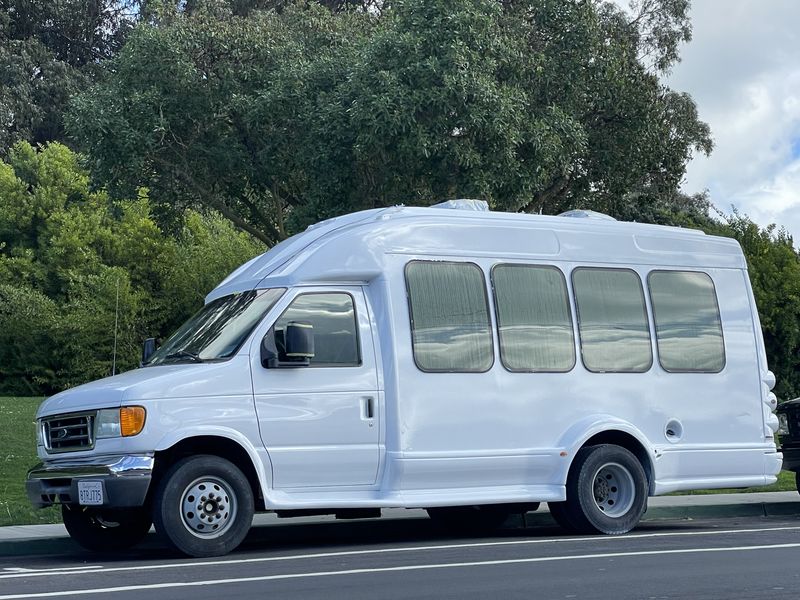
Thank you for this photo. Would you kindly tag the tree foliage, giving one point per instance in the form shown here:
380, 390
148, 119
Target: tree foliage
282, 117
277, 113
48, 51
73, 263
774, 268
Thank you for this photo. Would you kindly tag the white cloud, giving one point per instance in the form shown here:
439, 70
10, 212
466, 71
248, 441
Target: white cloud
743, 70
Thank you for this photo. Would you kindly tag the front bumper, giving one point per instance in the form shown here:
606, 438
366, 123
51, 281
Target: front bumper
125, 479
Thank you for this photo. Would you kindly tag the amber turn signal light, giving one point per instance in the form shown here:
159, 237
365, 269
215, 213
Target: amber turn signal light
131, 420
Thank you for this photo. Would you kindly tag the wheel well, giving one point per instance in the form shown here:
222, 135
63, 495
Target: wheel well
217, 446
630, 443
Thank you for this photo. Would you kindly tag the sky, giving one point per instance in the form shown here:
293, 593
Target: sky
742, 68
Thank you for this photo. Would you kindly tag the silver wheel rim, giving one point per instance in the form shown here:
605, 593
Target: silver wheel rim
613, 490
208, 507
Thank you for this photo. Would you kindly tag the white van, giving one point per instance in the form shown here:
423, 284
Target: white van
469, 362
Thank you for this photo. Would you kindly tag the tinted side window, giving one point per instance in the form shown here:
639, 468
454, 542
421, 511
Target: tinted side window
449, 317
335, 332
612, 320
533, 318
688, 325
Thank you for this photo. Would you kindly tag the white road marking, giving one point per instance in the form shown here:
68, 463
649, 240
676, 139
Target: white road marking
51, 570
511, 561
56, 571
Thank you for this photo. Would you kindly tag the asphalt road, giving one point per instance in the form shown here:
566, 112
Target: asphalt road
721, 559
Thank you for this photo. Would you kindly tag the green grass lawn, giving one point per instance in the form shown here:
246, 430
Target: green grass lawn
18, 454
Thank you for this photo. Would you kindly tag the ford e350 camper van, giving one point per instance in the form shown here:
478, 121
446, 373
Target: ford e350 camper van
468, 362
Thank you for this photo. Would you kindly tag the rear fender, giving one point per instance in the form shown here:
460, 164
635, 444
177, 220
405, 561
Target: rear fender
579, 433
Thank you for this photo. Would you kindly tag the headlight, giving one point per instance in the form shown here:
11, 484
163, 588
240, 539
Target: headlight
116, 422
783, 424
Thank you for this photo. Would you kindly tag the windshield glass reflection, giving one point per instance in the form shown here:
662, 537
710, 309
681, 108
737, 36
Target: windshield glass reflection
218, 329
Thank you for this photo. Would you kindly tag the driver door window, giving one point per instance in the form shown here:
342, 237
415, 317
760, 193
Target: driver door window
333, 318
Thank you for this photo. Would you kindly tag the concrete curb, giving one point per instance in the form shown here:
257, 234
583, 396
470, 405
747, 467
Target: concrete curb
541, 518
53, 539
720, 511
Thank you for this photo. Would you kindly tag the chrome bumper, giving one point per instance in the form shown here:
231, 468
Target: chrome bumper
126, 480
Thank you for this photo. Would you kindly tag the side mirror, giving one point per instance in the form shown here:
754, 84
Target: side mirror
148, 348
292, 346
299, 337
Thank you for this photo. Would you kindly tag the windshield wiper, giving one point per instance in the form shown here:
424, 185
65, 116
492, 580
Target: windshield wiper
185, 354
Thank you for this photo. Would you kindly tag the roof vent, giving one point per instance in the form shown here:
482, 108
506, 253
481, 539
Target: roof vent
480, 205
587, 214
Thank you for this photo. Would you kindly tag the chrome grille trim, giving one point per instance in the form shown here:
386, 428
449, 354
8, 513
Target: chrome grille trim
69, 433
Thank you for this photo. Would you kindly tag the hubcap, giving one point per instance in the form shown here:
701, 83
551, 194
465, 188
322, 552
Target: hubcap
614, 490
208, 507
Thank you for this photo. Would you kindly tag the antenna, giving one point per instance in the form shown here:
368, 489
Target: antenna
116, 322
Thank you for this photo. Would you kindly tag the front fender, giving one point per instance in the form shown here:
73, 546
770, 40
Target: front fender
258, 456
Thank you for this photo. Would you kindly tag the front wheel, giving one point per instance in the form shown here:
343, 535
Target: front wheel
606, 491
204, 506
105, 530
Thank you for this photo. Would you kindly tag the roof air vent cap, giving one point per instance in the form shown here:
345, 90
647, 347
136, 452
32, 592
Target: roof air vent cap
479, 205
587, 214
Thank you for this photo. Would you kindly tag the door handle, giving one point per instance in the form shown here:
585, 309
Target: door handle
368, 407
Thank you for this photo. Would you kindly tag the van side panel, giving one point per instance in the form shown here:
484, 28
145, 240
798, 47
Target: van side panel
721, 413
471, 430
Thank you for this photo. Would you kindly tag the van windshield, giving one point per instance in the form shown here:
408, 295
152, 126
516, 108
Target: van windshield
218, 329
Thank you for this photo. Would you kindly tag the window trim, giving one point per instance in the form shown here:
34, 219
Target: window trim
645, 314
411, 316
655, 322
270, 336
569, 315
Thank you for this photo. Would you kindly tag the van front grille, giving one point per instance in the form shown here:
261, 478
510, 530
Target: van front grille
69, 433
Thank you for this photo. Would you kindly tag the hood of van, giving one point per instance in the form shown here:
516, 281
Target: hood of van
185, 380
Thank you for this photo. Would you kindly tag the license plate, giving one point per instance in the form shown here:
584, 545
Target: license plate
90, 493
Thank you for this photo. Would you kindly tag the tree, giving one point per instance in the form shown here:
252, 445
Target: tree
160, 10
77, 267
49, 50
28, 320
34, 89
774, 267
282, 117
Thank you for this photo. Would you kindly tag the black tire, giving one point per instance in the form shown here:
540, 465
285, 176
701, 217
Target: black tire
105, 530
483, 517
606, 491
797, 480
203, 506
558, 510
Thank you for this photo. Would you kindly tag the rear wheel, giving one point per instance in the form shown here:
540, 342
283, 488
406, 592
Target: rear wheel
606, 492
105, 530
203, 506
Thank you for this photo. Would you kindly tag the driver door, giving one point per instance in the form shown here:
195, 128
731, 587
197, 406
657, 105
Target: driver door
320, 423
